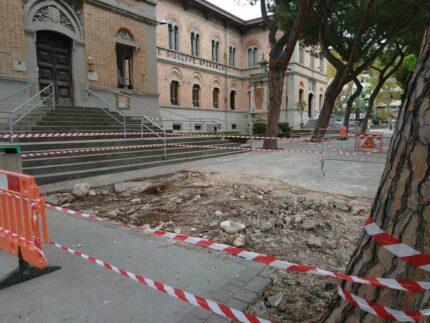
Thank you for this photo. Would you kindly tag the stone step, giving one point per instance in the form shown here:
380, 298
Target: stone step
65, 175
108, 162
71, 143
96, 128
106, 155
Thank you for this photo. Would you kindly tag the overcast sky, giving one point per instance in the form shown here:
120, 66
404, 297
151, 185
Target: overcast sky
243, 10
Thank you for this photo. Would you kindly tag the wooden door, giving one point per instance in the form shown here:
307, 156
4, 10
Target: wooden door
55, 64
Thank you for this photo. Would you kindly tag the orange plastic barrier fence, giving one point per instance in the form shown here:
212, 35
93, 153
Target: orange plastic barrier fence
21, 211
343, 132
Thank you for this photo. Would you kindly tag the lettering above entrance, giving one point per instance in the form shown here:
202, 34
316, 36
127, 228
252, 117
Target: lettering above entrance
55, 15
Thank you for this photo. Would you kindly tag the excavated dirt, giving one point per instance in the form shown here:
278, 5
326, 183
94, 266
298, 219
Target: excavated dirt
294, 224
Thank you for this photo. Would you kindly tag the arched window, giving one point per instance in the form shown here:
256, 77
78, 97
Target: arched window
233, 100
195, 44
174, 93
232, 56
215, 97
173, 36
301, 55
215, 50
252, 57
196, 95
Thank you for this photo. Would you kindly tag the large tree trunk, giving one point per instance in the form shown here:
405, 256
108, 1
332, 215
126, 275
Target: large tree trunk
331, 94
401, 207
351, 101
276, 85
370, 105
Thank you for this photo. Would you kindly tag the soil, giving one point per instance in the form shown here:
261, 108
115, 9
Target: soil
291, 223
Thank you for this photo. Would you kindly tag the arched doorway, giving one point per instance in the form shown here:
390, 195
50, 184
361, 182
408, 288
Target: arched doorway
54, 62
310, 105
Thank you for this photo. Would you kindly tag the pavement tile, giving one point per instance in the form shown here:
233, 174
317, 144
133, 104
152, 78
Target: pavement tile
257, 285
246, 296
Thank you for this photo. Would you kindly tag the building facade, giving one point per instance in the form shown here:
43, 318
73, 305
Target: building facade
211, 71
95, 45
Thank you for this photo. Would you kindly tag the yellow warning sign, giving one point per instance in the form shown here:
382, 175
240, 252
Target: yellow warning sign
368, 143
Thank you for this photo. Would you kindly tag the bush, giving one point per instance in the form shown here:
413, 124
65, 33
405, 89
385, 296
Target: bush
259, 128
285, 128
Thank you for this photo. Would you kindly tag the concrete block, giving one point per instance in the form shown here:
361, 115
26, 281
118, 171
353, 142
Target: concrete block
257, 285
217, 319
246, 296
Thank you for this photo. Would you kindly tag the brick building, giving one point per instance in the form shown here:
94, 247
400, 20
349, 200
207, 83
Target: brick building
209, 68
200, 69
98, 45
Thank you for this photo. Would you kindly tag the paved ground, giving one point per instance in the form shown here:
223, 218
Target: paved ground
301, 169
83, 292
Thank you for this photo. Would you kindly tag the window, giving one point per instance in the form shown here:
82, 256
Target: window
197, 127
233, 100
301, 55
195, 44
124, 62
232, 56
174, 92
233, 126
173, 37
215, 97
177, 126
322, 62
252, 56
196, 95
249, 100
215, 50
301, 95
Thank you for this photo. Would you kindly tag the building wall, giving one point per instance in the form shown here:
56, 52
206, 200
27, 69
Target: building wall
12, 39
246, 81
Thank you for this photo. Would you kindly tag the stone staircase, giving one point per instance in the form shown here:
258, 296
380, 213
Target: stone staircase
57, 168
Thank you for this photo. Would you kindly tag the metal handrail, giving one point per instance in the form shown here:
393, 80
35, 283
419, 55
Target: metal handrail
142, 124
11, 113
17, 92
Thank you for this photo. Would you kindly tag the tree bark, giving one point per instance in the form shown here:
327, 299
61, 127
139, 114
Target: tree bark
276, 85
351, 101
401, 207
281, 50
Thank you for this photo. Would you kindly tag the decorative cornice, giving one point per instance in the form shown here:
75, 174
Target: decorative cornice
123, 11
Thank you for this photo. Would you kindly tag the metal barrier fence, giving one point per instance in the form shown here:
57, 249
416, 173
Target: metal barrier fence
352, 149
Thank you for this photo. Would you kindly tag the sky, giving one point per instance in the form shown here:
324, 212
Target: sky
243, 10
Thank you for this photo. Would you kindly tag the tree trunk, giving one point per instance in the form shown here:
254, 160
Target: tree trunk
401, 207
331, 94
351, 101
370, 108
276, 85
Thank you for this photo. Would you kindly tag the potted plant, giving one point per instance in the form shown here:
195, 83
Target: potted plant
301, 108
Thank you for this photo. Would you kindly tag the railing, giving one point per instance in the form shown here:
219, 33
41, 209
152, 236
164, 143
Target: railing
11, 114
17, 92
181, 118
142, 121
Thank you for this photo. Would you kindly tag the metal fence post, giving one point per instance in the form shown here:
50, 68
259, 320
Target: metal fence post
125, 126
53, 96
141, 128
165, 145
11, 127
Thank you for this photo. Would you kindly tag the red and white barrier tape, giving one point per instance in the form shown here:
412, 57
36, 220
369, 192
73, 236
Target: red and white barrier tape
86, 150
396, 247
135, 133
404, 285
382, 311
244, 149
195, 300
121, 148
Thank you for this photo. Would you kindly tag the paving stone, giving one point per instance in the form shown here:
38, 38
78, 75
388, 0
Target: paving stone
246, 296
237, 282
222, 295
268, 272
248, 274
231, 287
200, 313
257, 285
190, 319
237, 305
217, 319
